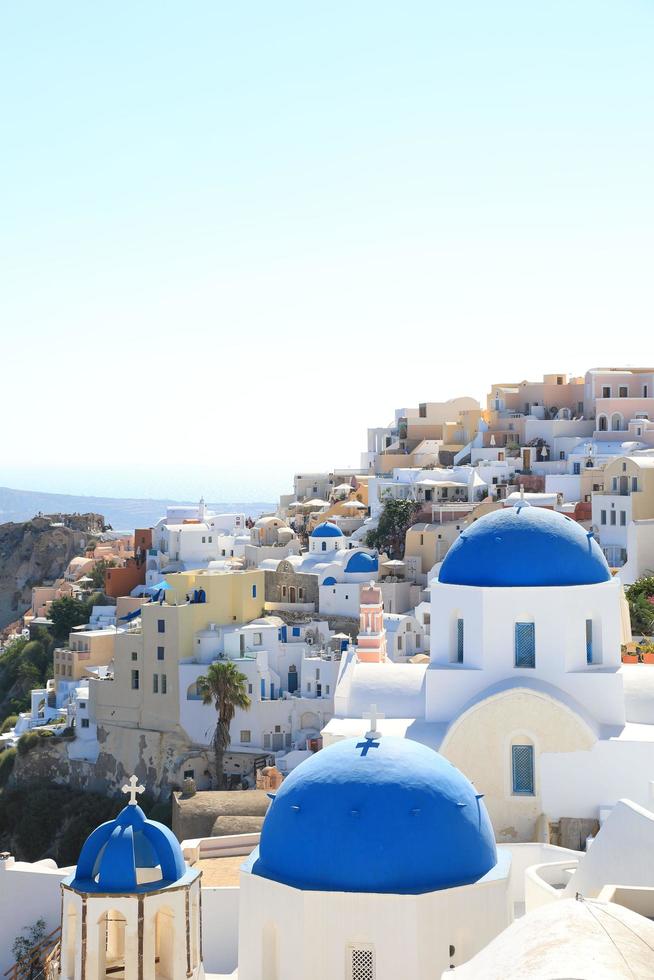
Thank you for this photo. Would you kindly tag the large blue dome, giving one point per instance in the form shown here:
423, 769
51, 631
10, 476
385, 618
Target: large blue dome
524, 546
387, 815
116, 851
362, 563
326, 530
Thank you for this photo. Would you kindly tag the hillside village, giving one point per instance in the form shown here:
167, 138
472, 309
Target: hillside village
480, 589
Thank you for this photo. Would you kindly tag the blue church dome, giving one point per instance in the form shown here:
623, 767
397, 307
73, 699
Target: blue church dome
385, 815
326, 530
524, 546
116, 851
362, 562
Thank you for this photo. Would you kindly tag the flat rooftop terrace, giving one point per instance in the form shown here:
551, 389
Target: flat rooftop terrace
220, 872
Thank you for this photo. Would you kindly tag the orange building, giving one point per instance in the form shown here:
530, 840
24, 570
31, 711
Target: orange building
121, 581
371, 642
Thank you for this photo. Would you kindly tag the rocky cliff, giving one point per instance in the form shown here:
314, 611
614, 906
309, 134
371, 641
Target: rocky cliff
33, 553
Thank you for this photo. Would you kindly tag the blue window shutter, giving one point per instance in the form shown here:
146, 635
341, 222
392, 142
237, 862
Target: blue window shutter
522, 765
589, 641
459, 641
525, 645
296, 631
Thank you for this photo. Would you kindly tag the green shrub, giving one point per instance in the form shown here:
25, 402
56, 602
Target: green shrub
45, 733
8, 723
26, 742
7, 760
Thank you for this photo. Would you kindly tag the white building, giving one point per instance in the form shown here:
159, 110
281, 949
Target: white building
524, 690
291, 674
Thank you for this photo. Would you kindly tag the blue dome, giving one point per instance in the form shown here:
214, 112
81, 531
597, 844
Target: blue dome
361, 561
330, 580
524, 546
386, 815
115, 852
326, 530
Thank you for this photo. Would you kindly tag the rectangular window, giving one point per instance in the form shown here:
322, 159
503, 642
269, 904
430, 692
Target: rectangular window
459, 641
85, 723
254, 591
161, 625
256, 639
612, 518
589, 641
525, 645
164, 684
189, 774
602, 517
634, 484
361, 961
522, 766
326, 688
622, 391
135, 655
204, 540
246, 736
645, 390
135, 680
399, 643
623, 518
160, 653
155, 683
296, 631
606, 391
576, 468
249, 689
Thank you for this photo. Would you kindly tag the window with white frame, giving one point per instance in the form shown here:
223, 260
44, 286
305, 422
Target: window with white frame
525, 645
246, 736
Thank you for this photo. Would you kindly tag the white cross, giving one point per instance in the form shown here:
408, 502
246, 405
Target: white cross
133, 787
373, 715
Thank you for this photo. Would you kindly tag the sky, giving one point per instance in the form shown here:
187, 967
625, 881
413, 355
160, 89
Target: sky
233, 236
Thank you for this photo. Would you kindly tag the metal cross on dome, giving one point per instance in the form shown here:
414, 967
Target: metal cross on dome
133, 787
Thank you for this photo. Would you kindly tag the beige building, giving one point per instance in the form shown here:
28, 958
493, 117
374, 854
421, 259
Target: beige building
144, 692
86, 648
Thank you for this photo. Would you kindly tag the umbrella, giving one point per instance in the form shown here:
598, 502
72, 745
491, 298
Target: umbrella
356, 503
393, 563
315, 503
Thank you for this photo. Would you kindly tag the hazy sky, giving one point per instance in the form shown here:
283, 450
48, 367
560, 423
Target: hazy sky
233, 235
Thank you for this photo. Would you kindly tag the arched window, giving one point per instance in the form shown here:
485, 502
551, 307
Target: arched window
111, 945
616, 422
324, 546
602, 423
457, 638
193, 692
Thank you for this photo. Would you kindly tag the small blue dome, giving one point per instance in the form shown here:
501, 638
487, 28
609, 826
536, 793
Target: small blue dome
387, 815
115, 852
326, 530
362, 562
330, 580
524, 546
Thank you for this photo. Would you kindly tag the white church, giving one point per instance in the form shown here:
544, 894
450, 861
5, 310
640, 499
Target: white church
525, 691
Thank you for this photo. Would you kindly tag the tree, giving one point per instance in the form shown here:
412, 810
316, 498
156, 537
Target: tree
97, 573
23, 950
66, 613
639, 596
395, 520
226, 687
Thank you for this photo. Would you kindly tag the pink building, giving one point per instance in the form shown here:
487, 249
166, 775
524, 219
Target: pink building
371, 643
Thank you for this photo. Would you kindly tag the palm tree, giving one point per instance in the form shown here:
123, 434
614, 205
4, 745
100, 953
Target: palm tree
226, 687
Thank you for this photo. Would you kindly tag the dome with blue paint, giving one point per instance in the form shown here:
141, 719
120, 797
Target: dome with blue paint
382, 815
326, 530
524, 546
362, 563
129, 854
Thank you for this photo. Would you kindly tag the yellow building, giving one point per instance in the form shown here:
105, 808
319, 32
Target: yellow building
144, 692
86, 648
427, 544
